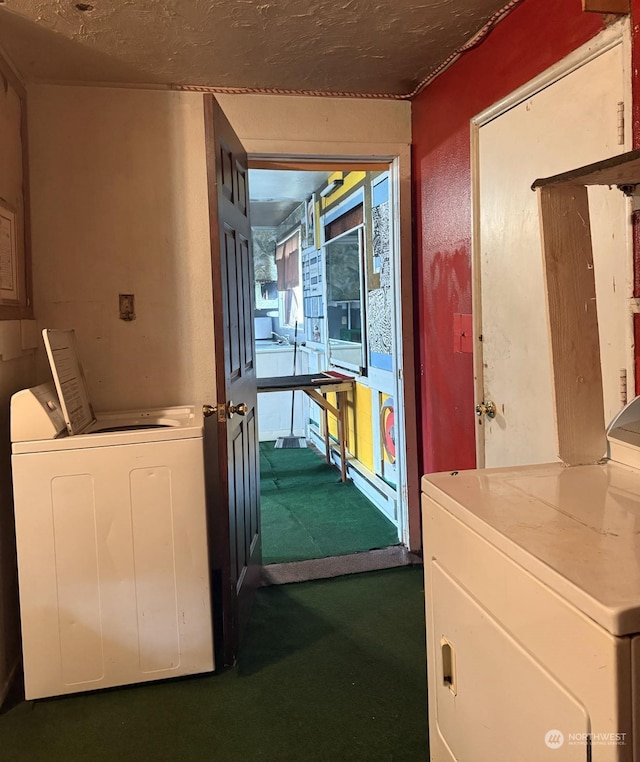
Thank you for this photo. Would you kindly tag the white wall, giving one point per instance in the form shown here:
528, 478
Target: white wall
316, 127
16, 372
119, 205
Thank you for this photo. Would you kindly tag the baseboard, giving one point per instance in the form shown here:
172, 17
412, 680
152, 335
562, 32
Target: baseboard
336, 566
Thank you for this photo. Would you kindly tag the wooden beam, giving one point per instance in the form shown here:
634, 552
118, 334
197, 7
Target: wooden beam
623, 169
573, 323
620, 7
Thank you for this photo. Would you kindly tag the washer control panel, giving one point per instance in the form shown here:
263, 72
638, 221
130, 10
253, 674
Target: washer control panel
36, 414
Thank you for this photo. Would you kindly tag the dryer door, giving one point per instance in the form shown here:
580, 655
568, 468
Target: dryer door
493, 699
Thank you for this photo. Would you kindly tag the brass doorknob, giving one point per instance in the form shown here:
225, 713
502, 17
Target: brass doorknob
208, 410
225, 410
487, 408
241, 409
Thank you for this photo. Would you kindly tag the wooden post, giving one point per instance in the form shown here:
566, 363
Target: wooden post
573, 323
620, 7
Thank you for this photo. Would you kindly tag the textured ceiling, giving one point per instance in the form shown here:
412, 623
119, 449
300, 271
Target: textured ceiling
335, 46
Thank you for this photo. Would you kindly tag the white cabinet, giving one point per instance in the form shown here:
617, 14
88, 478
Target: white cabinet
274, 408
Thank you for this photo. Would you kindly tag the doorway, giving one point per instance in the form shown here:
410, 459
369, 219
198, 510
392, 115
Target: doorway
531, 135
326, 281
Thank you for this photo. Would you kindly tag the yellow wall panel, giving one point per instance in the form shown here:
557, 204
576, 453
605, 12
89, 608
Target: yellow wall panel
359, 424
351, 179
333, 425
363, 434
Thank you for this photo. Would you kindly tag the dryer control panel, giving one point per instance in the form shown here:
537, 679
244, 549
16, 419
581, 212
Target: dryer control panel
623, 435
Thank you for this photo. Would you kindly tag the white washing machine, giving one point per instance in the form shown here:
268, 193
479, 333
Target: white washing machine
532, 586
111, 537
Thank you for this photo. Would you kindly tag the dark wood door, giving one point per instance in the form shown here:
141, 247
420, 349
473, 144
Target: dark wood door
231, 435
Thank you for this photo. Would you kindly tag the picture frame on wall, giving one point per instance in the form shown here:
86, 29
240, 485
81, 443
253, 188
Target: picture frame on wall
16, 301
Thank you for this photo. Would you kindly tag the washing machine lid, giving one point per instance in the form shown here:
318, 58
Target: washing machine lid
69, 379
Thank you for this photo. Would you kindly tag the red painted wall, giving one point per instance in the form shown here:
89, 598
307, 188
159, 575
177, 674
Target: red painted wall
534, 36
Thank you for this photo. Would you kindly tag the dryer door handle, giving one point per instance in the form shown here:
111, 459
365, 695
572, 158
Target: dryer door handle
448, 665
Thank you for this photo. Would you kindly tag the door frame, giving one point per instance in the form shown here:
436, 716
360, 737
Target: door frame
616, 34
409, 486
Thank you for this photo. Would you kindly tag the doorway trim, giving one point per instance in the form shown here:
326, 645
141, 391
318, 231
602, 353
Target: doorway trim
616, 34
409, 525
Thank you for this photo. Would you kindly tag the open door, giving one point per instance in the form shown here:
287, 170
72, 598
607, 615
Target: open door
230, 429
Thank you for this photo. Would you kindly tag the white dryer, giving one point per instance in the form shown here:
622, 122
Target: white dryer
532, 585
111, 537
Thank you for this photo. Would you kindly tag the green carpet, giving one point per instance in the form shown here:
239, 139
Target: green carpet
308, 512
330, 670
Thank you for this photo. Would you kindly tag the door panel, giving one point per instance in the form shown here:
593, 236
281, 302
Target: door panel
231, 451
248, 296
570, 123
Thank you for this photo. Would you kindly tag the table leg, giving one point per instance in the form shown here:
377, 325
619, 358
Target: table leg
341, 434
325, 427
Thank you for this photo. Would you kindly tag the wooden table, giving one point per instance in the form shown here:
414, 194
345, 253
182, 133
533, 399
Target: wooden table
317, 386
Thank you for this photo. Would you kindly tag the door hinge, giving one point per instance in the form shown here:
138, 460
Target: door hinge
621, 123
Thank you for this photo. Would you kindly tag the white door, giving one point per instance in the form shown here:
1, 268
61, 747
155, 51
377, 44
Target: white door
570, 123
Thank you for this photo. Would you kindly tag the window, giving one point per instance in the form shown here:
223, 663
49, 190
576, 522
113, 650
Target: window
289, 281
